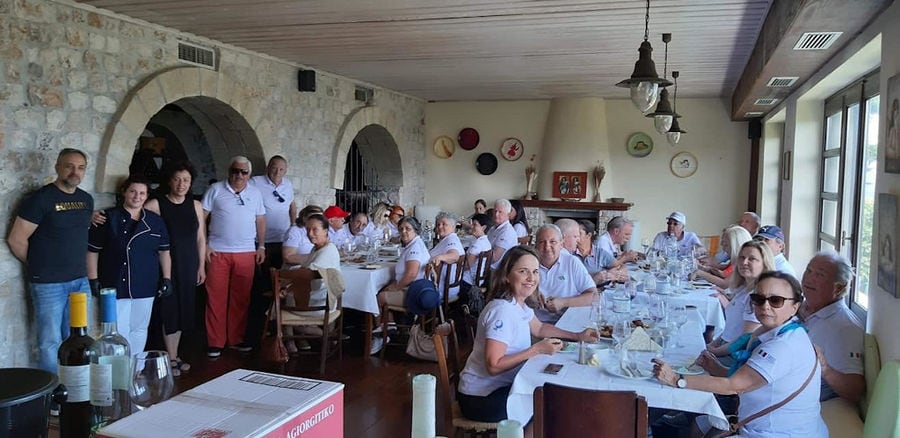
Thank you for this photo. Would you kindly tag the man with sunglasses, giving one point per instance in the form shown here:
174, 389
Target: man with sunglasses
838, 334
237, 235
281, 211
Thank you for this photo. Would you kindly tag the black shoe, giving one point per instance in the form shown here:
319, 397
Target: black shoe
243, 347
213, 352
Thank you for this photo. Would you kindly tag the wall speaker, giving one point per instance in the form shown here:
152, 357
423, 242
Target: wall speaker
754, 129
306, 80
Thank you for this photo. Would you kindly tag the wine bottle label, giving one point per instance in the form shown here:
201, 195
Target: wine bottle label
121, 370
77, 379
101, 384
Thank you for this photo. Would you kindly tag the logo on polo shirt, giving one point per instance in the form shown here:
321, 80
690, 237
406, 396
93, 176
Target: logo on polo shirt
498, 325
562, 278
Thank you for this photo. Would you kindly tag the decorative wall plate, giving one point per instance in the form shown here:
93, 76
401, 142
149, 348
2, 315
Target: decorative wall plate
468, 138
486, 163
444, 147
683, 164
639, 145
512, 149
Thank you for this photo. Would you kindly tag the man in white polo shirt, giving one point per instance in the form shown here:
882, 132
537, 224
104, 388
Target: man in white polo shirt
618, 232
774, 238
281, 211
565, 281
835, 330
237, 232
338, 234
503, 235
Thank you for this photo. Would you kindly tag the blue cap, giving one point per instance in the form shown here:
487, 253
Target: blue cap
108, 304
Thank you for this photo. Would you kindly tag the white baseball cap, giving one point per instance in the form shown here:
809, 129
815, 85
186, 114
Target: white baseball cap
678, 216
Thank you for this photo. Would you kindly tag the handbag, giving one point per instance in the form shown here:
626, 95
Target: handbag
735, 428
474, 302
420, 344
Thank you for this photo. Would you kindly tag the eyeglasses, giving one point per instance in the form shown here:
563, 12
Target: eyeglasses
775, 301
240, 200
277, 195
234, 171
387, 215
671, 223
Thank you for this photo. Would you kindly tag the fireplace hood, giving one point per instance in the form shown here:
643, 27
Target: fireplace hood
575, 140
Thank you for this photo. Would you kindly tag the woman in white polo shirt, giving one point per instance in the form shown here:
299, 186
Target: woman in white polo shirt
778, 360
447, 250
503, 339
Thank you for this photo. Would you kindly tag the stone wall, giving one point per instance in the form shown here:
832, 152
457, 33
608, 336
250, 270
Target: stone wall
70, 77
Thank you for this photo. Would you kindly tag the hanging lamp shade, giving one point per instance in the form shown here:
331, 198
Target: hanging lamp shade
674, 133
664, 114
644, 82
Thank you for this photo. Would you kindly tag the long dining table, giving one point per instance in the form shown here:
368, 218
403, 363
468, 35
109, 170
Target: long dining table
682, 348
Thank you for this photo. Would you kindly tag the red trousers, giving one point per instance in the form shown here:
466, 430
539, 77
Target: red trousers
229, 277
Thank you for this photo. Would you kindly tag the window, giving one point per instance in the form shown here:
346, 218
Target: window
847, 196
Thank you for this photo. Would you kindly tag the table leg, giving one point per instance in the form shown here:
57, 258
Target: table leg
367, 344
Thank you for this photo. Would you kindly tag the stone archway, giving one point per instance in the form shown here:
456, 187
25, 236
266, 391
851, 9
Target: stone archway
197, 90
384, 155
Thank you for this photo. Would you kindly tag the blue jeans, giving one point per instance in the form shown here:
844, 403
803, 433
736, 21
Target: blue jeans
51, 311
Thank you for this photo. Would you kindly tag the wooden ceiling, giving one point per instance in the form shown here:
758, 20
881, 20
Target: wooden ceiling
444, 50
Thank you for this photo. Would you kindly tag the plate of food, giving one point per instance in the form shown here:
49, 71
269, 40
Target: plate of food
370, 267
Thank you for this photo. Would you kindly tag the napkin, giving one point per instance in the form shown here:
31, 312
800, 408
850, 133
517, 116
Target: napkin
639, 340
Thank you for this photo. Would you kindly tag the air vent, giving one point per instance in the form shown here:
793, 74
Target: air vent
816, 40
363, 94
753, 114
765, 101
782, 81
196, 55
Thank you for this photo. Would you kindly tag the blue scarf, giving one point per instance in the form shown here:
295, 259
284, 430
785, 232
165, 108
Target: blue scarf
740, 351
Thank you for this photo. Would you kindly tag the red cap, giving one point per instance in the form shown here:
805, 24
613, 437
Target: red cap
335, 211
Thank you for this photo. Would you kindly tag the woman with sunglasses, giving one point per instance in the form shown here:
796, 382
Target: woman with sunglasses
752, 260
776, 362
381, 215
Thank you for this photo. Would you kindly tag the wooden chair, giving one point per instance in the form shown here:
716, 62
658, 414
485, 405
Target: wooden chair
426, 323
448, 378
329, 318
564, 411
483, 268
450, 276
481, 280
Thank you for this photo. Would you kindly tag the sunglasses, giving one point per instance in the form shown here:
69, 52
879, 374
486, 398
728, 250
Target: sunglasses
234, 171
775, 301
277, 195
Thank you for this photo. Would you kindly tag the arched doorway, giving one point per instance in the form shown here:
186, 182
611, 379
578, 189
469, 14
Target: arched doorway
368, 167
186, 107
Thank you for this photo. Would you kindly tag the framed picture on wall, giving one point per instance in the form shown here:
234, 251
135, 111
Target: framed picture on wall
570, 185
892, 136
886, 246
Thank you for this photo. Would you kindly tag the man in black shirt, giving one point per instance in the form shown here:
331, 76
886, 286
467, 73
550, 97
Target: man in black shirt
50, 237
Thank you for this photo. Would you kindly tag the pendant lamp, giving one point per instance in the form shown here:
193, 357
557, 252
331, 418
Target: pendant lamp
644, 82
663, 115
674, 133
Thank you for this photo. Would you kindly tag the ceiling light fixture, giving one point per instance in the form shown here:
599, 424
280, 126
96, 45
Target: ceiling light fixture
663, 116
644, 81
674, 134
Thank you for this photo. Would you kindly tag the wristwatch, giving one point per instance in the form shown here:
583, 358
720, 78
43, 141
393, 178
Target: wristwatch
681, 382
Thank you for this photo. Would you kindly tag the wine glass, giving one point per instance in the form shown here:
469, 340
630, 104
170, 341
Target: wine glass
645, 244
152, 380
680, 317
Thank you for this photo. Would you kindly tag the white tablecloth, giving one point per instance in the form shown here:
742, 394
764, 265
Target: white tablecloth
362, 285
697, 296
520, 404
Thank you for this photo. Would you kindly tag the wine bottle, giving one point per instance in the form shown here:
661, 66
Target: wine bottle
74, 368
110, 367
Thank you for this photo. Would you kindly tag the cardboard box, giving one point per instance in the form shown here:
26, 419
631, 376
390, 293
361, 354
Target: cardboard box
243, 403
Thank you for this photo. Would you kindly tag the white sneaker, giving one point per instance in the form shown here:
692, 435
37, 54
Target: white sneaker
377, 345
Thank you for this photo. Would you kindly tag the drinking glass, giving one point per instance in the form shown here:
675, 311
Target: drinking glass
621, 331
152, 380
645, 244
680, 317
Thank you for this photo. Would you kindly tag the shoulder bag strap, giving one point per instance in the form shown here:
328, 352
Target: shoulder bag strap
741, 423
